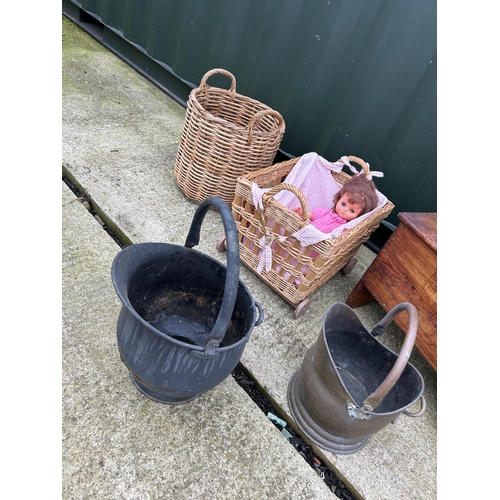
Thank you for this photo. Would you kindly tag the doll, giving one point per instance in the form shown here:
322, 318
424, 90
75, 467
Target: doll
357, 197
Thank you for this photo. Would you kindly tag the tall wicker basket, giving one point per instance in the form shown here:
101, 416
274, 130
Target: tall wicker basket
296, 272
225, 135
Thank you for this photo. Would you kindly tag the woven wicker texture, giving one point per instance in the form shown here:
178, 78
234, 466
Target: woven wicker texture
296, 272
225, 135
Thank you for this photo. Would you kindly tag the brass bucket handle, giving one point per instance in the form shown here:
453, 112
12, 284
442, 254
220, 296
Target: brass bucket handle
374, 399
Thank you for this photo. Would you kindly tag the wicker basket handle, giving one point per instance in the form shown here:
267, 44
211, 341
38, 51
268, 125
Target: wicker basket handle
360, 162
208, 74
258, 116
266, 198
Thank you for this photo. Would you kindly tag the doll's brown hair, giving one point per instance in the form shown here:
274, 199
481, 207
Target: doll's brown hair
360, 190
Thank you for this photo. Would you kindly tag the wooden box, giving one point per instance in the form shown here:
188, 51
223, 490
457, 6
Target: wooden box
405, 270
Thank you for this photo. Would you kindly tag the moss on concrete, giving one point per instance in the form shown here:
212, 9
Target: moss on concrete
76, 39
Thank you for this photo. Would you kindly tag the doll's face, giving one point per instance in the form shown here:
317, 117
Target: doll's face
346, 209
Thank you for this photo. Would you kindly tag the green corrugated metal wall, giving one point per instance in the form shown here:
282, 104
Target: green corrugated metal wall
350, 77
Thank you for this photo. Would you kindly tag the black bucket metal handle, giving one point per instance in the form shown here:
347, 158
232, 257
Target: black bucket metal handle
260, 319
233, 266
375, 398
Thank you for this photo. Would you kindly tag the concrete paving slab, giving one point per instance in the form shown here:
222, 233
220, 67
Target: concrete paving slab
118, 443
119, 143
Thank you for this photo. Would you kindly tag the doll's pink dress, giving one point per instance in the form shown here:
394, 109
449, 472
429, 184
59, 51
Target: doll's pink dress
326, 220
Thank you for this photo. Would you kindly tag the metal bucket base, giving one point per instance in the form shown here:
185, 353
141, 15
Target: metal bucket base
158, 397
313, 431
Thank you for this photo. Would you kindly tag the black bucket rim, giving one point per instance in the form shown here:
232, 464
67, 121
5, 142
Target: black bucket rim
123, 295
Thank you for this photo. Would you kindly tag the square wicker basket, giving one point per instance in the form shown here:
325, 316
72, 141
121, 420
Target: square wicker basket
296, 272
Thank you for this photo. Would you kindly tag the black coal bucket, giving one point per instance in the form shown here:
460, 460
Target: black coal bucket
185, 318
350, 386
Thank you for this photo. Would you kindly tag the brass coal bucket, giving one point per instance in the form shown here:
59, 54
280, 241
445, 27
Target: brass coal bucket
351, 386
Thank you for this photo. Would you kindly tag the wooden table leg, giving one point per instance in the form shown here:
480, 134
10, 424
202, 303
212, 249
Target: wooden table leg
359, 296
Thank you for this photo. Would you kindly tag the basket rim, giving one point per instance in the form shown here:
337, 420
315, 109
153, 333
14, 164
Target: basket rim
212, 118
